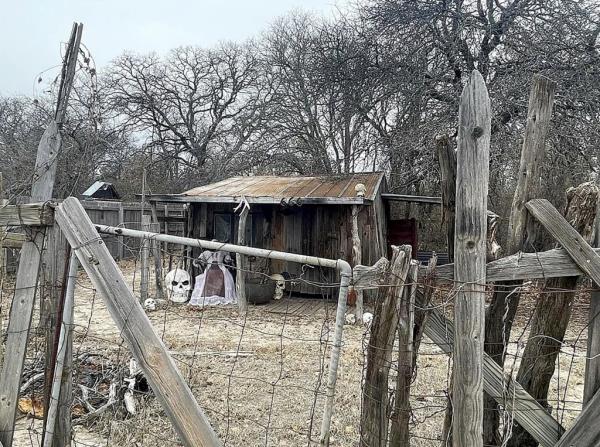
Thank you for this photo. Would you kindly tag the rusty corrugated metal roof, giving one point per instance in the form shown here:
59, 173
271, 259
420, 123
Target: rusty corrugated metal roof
273, 189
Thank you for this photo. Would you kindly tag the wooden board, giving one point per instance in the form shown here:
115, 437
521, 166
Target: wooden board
527, 411
30, 214
299, 307
153, 358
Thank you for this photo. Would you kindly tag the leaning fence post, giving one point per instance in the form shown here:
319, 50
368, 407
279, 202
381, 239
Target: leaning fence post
239, 258
470, 261
148, 349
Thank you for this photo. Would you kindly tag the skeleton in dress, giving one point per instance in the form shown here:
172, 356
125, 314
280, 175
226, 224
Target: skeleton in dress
215, 285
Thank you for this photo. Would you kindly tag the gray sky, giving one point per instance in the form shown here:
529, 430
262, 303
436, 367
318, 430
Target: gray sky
32, 30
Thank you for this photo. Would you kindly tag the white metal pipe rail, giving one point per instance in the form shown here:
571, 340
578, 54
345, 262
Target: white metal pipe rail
340, 265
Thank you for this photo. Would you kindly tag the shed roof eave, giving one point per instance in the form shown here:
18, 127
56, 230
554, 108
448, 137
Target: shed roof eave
182, 198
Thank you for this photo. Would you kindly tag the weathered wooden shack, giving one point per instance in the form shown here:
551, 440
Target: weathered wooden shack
308, 215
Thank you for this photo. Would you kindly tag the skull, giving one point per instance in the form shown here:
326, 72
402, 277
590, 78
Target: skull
279, 286
350, 319
150, 305
360, 190
367, 318
179, 285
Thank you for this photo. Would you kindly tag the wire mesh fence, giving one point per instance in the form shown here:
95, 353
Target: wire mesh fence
260, 376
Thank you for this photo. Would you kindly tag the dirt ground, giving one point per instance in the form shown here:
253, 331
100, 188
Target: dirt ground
272, 392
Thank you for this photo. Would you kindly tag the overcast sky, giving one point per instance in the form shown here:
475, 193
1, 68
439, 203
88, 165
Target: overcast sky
31, 31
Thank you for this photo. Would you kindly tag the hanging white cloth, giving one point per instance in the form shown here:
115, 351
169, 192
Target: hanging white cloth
215, 286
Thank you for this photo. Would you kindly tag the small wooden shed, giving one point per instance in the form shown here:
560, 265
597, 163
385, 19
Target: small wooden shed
307, 215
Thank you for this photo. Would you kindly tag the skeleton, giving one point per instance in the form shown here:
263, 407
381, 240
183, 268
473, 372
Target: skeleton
179, 285
279, 286
360, 190
150, 304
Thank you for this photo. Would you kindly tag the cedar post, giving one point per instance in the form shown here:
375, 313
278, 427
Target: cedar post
22, 306
399, 432
121, 239
553, 311
150, 352
144, 255
240, 282
357, 259
3, 202
156, 250
522, 234
472, 170
592, 365
375, 404
447, 160
58, 419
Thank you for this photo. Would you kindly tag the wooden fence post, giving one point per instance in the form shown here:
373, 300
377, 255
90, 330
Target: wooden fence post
240, 283
156, 250
375, 404
472, 172
150, 352
521, 228
144, 255
27, 274
58, 418
591, 382
553, 311
121, 239
357, 259
399, 432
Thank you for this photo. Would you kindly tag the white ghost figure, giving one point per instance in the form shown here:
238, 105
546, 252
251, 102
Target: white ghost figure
179, 285
350, 319
279, 285
150, 304
367, 318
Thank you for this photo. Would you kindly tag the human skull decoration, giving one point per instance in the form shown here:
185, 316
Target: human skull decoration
350, 319
360, 190
179, 285
279, 286
367, 318
150, 304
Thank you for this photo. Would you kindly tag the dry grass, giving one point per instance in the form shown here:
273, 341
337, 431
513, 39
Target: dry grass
268, 397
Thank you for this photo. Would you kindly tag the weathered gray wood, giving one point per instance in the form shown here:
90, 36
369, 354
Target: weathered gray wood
58, 419
356, 260
591, 382
522, 233
27, 274
447, 161
369, 277
54, 269
580, 251
240, 283
375, 405
399, 430
144, 257
157, 254
527, 411
555, 263
553, 311
472, 170
121, 239
13, 240
153, 358
25, 289
585, 431
30, 214
421, 314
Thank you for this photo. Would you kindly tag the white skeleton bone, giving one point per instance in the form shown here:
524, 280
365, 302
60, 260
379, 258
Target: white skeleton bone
360, 190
